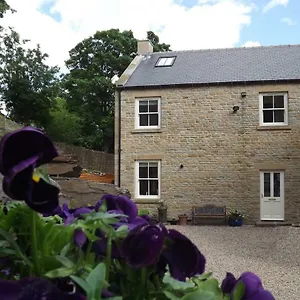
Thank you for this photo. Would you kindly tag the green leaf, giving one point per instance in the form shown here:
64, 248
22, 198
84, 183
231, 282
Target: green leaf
15, 246
65, 250
121, 232
204, 276
239, 291
96, 279
176, 284
4, 244
65, 261
201, 295
171, 296
84, 285
7, 251
42, 173
60, 272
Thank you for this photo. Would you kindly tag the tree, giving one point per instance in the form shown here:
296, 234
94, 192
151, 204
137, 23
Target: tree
64, 125
27, 84
90, 91
4, 7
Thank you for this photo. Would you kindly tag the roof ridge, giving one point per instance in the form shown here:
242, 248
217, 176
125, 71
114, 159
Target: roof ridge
227, 48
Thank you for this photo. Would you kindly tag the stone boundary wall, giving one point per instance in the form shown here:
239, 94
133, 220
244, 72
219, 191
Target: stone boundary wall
90, 159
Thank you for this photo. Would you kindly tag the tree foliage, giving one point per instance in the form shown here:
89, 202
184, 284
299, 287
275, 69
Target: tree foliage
4, 7
90, 91
28, 84
64, 125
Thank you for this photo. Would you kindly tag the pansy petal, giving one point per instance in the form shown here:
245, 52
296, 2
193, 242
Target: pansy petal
143, 245
137, 222
17, 180
10, 290
23, 143
183, 257
252, 283
42, 196
79, 238
228, 283
69, 220
261, 295
100, 246
122, 203
39, 288
80, 211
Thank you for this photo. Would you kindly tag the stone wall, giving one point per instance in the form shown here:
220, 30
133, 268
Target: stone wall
90, 159
78, 192
222, 152
7, 125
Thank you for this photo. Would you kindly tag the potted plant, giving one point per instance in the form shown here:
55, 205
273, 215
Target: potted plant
235, 218
182, 219
162, 211
173, 221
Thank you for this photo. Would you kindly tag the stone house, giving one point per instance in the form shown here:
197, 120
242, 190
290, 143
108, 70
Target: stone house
212, 127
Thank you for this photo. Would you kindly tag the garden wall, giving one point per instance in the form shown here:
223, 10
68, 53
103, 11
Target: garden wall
90, 159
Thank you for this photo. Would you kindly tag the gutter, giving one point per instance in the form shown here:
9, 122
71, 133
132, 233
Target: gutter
221, 83
119, 137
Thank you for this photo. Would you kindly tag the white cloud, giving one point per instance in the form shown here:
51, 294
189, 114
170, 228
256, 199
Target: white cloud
273, 3
288, 21
215, 24
251, 44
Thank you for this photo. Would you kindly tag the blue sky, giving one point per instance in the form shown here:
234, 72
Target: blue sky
279, 25
58, 25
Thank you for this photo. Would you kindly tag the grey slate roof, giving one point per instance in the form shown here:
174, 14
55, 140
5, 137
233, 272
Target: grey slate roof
271, 63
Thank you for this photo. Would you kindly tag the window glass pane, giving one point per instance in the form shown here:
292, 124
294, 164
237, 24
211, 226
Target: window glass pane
267, 182
169, 61
143, 170
144, 120
153, 170
279, 115
267, 101
144, 187
276, 184
153, 187
161, 61
153, 120
279, 101
268, 116
143, 106
153, 106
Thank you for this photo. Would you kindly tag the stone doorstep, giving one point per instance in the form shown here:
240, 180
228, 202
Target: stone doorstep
272, 223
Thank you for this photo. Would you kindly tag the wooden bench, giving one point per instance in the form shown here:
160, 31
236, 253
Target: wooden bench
212, 213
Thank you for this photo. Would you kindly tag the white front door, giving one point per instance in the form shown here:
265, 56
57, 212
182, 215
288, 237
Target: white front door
272, 195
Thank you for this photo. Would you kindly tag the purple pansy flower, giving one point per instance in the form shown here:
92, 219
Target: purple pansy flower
253, 286
21, 152
34, 289
182, 256
79, 238
118, 205
143, 245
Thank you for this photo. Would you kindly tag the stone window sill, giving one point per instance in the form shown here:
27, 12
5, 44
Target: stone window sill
146, 201
146, 131
283, 127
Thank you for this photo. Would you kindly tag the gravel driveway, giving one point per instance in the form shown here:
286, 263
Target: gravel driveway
273, 253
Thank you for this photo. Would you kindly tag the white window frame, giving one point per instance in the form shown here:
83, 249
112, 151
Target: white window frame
166, 61
137, 186
261, 96
137, 113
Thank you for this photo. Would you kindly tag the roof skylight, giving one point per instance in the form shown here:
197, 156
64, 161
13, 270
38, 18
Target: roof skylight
165, 61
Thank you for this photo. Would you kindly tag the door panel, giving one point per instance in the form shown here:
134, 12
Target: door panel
272, 195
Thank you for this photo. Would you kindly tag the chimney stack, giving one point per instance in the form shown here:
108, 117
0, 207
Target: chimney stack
144, 47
